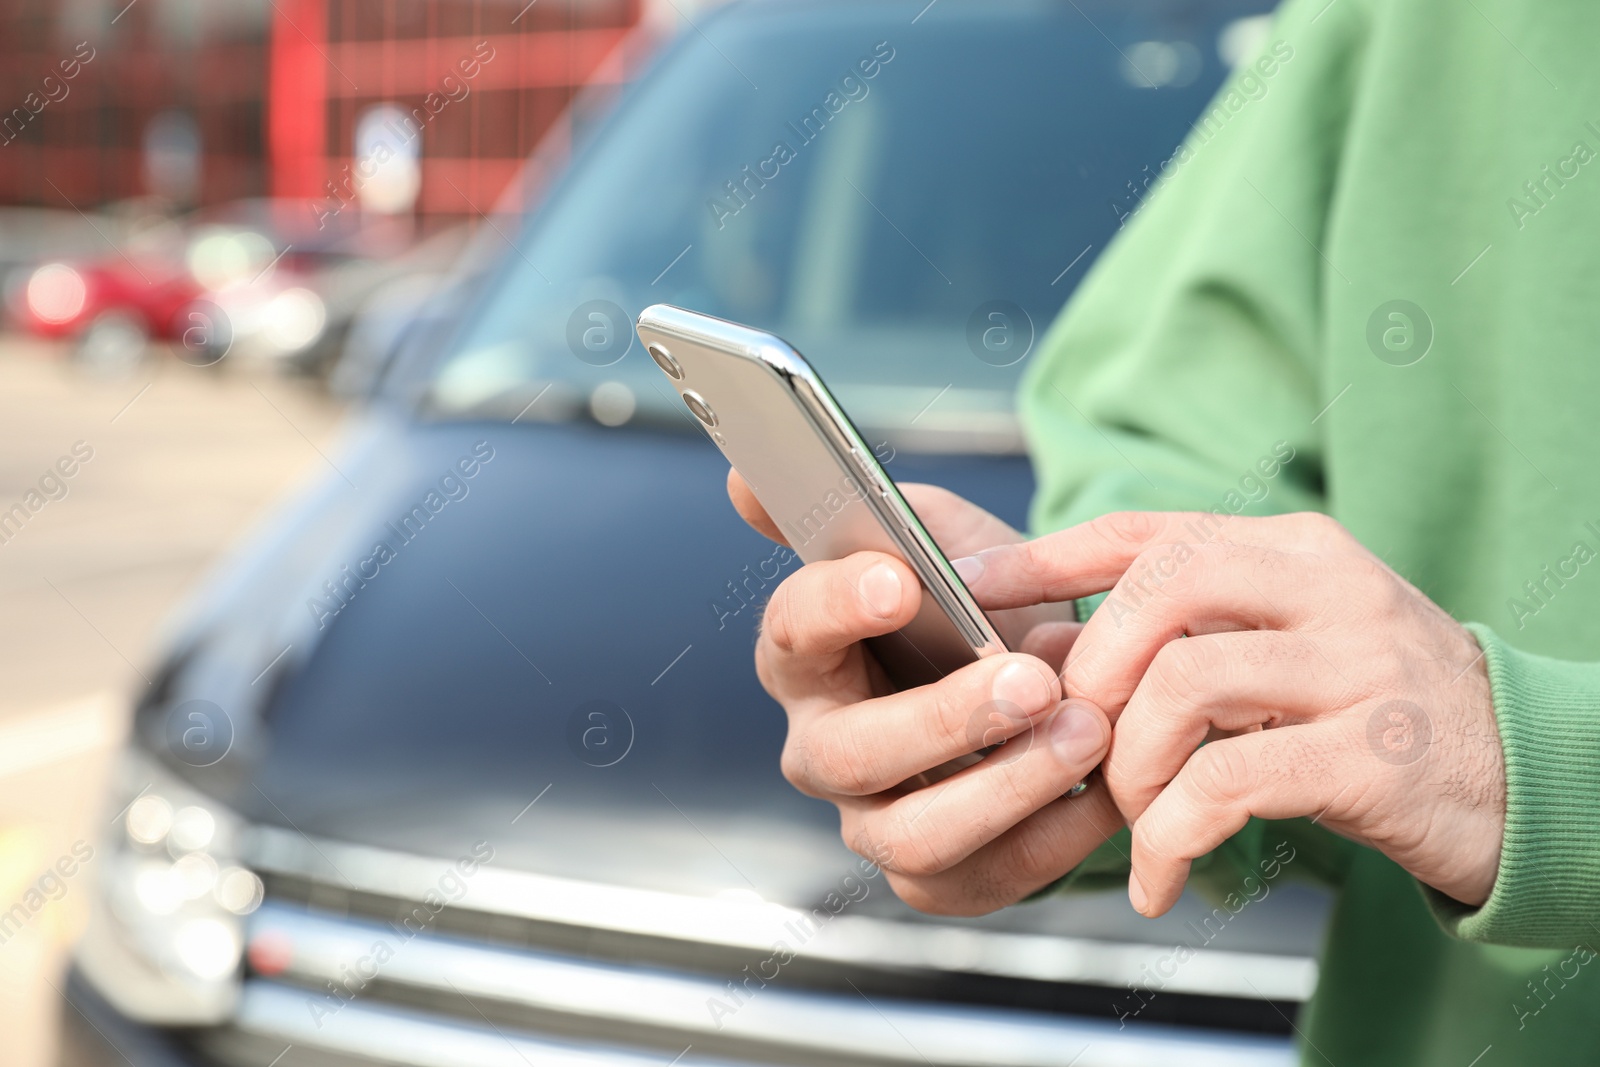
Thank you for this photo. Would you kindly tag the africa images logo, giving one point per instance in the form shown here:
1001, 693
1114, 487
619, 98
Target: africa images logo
1399, 333
1399, 732
451, 487
852, 88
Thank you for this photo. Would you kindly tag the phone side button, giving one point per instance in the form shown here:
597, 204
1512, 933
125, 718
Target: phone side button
894, 512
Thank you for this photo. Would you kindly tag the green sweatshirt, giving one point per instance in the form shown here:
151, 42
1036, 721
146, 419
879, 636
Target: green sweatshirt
1378, 254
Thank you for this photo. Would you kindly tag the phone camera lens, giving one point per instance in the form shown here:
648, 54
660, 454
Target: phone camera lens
665, 361
701, 409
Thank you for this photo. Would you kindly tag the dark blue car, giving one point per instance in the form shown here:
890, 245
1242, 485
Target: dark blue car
463, 761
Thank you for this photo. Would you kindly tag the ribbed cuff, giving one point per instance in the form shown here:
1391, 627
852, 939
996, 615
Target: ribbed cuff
1547, 891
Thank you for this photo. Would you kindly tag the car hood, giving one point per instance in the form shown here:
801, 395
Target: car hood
552, 655
558, 664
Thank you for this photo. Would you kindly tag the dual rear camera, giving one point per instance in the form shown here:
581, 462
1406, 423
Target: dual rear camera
691, 399
665, 361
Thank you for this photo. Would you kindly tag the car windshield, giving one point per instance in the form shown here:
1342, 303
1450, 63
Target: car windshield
906, 200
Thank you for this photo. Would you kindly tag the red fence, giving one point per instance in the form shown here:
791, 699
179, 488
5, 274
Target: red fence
272, 93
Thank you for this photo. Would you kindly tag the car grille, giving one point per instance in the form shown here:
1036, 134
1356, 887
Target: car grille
531, 970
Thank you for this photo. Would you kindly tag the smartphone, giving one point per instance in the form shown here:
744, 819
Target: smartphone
777, 424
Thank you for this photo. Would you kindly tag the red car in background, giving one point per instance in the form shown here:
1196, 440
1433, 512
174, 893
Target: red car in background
111, 308
247, 279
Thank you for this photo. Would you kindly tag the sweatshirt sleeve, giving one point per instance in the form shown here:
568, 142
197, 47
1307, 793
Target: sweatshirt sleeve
1190, 351
1547, 891
1184, 373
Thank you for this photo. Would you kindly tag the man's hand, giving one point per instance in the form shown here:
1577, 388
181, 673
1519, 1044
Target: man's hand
986, 835
1328, 685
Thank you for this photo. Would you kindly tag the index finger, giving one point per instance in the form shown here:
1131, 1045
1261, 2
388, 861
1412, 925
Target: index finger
1091, 557
958, 526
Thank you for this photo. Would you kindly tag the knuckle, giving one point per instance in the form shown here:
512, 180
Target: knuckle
766, 673
1127, 527
1126, 782
1222, 773
1002, 875
1133, 782
854, 832
1161, 578
914, 852
837, 761
965, 716
958, 709
778, 623
1183, 672
1323, 529
1365, 566
880, 856
918, 861
796, 764
1322, 522
1371, 571
1376, 590
1018, 790
1034, 857
815, 611
1028, 560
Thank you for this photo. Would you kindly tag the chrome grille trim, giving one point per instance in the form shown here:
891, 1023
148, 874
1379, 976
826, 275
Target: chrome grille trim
755, 925
840, 1029
371, 1034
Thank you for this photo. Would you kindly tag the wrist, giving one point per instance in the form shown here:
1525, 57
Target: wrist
1474, 784
1547, 881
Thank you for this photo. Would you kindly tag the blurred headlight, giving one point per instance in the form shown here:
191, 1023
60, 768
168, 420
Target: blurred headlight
148, 820
239, 890
192, 829
166, 935
208, 947
294, 319
56, 294
220, 257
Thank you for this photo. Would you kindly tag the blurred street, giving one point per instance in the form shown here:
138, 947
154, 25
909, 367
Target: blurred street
184, 461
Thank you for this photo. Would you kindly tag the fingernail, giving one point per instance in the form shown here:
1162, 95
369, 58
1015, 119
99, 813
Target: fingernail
1076, 733
1022, 685
968, 568
1136, 894
880, 588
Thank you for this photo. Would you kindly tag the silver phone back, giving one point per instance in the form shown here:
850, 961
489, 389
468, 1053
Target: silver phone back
780, 428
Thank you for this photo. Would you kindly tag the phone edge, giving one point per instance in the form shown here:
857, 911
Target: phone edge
828, 418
